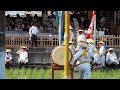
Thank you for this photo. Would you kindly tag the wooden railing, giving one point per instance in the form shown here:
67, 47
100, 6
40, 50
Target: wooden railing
43, 40
53, 41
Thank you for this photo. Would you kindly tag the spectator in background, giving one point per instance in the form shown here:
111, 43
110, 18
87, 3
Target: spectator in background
102, 21
102, 51
33, 31
23, 56
8, 58
111, 57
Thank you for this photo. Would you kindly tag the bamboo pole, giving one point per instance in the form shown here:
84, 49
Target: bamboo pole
66, 61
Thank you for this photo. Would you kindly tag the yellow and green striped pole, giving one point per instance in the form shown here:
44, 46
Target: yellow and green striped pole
66, 59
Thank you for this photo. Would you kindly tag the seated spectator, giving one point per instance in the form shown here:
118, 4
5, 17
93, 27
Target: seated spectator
111, 57
8, 58
23, 56
96, 60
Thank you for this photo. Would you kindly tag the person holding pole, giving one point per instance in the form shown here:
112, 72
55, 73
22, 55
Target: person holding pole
71, 35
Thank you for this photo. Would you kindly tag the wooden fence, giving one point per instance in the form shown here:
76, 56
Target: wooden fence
46, 43
42, 42
53, 41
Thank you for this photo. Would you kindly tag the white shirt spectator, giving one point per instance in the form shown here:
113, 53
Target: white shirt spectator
23, 56
8, 56
81, 37
111, 58
33, 30
102, 50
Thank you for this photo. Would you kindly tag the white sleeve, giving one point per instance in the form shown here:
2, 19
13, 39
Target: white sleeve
107, 56
30, 31
77, 55
10, 56
25, 55
115, 55
102, 50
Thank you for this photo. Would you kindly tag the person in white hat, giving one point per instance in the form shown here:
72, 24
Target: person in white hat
8, 58
84, 57
111, 57
91, 42
72, 49
71, 35
80, 37
23, 56
91, 49
96, 60
102, 52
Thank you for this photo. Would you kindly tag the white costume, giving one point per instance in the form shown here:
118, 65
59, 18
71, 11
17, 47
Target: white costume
23, 56
84, 67
102, 55
72, 49
71, 35
33, 30
80, 38
111, 58
91, 49
97, 59
8, 56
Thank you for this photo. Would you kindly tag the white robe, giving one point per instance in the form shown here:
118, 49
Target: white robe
111, 58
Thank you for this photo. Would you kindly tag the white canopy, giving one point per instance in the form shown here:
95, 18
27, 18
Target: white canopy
13, 13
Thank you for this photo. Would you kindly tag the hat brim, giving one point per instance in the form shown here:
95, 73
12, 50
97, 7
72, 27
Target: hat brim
84, 45
8, 50
79, 31
24, 47
90, 41
110, 49
101, 43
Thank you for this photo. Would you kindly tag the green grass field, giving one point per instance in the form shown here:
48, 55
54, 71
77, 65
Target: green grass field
46, 74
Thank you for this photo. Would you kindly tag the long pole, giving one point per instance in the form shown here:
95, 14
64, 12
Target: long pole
94, 26
66, 61
60, 26
2, 63
2, 44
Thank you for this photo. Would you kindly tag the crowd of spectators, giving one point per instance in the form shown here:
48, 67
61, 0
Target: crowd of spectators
45, 24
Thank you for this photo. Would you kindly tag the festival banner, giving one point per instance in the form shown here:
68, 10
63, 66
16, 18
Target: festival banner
91, 27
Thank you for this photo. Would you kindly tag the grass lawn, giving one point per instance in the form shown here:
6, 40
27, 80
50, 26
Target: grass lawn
46, 74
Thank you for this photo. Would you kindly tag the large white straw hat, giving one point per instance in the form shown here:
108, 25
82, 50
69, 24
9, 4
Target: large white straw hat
70, 27
90, 40
84, 45
110, 49
101, 42
69, 42
24, 47
8, 50
80, 30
